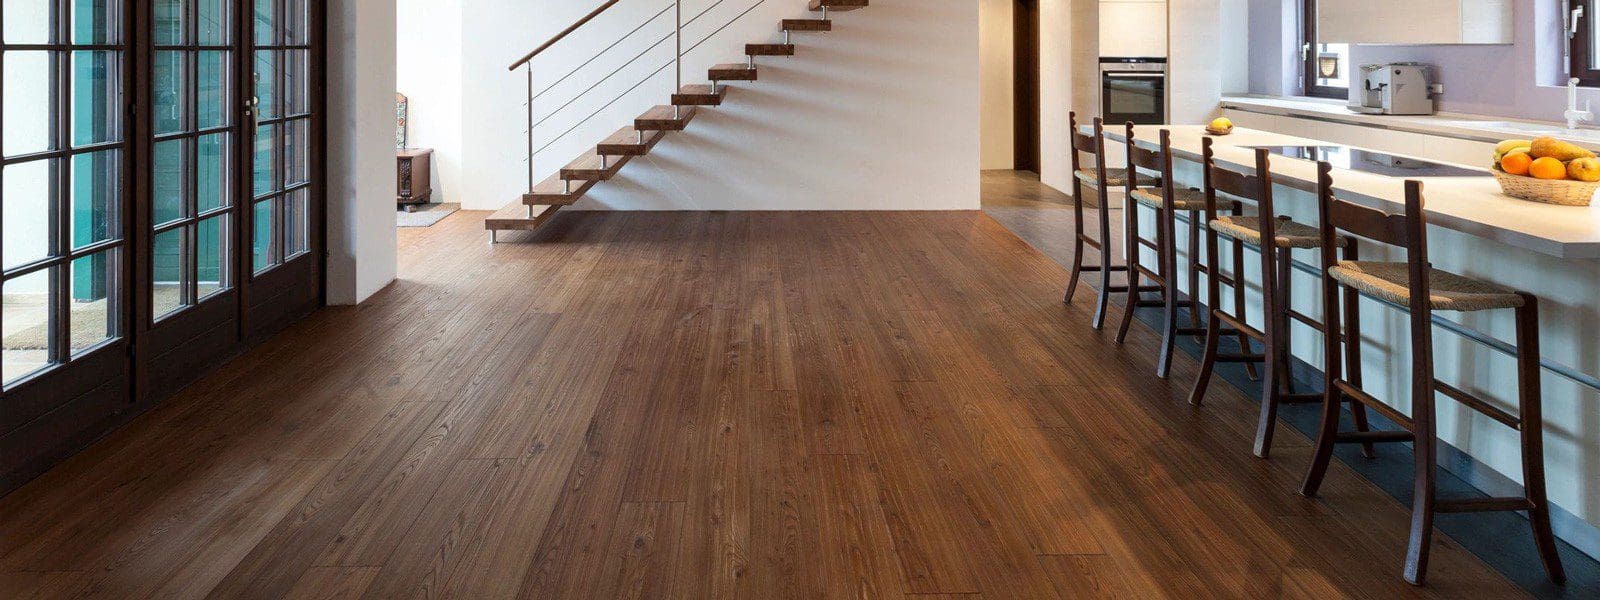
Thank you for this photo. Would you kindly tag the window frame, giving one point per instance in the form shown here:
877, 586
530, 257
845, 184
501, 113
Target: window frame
1308, 60
1584, 66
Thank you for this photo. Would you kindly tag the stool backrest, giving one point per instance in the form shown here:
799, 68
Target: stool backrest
1150, 161
1408, 231
1094, 145
1255, 187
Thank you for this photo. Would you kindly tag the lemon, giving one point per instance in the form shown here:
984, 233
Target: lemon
1222, 124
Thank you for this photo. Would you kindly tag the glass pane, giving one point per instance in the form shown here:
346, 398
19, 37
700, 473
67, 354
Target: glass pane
25, 210
266, 73
215, 24
211, 263
295, 24
25, 325
166, 281
295, 85
1333, 65
29, 101
27, 21
265, 21
213, 104
93, 288
169, 178
96, 196
266, 174
169, 25
95, 21
96, 98
261, 240
171, 95
212, 191
296, 224
297, 146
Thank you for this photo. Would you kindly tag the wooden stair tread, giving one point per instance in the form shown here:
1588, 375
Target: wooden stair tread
594, 167
553, 191
661, 118
838, 5
769, 49
625, 142
732, 72
807, 25
700, 94
515, 217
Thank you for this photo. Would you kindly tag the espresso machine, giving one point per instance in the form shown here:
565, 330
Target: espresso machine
1393, 89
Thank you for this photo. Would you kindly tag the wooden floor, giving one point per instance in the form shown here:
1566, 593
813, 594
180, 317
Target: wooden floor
707, 405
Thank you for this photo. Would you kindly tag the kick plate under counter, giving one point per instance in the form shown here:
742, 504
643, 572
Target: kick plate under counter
1471, 204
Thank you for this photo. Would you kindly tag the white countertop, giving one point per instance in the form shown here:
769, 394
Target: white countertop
1472, 205
1468, 127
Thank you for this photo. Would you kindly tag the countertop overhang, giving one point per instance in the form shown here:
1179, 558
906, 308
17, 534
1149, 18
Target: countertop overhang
1472, 205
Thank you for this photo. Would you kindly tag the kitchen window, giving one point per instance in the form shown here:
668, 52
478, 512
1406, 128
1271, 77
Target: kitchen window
1327, 66
1585, 48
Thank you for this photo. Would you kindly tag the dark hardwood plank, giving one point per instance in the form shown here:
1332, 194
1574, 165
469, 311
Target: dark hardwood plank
706, 405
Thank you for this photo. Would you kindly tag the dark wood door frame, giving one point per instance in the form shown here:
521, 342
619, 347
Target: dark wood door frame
1025, 66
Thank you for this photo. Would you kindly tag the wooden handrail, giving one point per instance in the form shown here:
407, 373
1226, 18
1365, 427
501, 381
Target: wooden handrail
564, 33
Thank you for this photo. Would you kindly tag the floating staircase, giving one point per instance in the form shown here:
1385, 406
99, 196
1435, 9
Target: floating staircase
569, 185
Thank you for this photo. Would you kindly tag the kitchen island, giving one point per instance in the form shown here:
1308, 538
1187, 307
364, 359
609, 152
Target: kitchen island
1474, 230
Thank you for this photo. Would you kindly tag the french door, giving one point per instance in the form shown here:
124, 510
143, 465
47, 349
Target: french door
160, 203
228, 230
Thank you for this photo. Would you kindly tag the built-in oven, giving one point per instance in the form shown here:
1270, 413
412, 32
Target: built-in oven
1134, 90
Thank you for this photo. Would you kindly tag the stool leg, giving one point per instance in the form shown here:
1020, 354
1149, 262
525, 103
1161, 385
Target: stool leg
1427, 469
1167, 254
1285, 375
1202, 382
1239, 305
1194, 271
1532, 415
1272, 349
1352, 350
1077, 239
1103, 298
1332, 396
1131, 247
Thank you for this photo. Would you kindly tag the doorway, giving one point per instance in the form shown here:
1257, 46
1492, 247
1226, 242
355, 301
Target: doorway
1025, 60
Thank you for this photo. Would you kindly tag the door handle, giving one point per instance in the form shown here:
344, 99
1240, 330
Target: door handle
252, 109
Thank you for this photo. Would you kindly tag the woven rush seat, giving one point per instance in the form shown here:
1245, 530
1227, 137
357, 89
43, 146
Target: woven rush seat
1248, 229
1448, 291
1185, 198
1118, 177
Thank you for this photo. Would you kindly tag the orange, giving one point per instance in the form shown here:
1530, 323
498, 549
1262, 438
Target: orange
1516, 163
1548, 168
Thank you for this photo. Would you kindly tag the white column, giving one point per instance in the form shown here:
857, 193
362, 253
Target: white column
361, 163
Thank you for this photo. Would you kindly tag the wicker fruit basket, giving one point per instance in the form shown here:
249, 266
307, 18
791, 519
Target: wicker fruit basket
1565, 192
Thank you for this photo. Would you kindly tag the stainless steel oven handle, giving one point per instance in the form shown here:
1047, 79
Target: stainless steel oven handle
1138, 75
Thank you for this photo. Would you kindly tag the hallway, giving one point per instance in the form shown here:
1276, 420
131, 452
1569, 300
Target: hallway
698, 405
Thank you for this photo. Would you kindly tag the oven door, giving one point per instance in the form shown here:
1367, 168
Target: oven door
1138, 97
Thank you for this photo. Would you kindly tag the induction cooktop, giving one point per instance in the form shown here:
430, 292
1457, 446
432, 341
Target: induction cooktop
1376, 163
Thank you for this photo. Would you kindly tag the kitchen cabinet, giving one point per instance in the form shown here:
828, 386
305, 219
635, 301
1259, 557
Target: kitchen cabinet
1133, 28
1415, 22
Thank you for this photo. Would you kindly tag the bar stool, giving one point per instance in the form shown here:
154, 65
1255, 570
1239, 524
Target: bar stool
1276, 267
1166, 199
1101, 179
1423, 289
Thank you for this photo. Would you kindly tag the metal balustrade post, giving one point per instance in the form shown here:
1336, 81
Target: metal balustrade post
531, 177
677, 55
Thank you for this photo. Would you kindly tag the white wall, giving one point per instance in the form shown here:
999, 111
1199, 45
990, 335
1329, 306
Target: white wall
361, 184
997, 50
428, 50
882, 113
1069, 63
